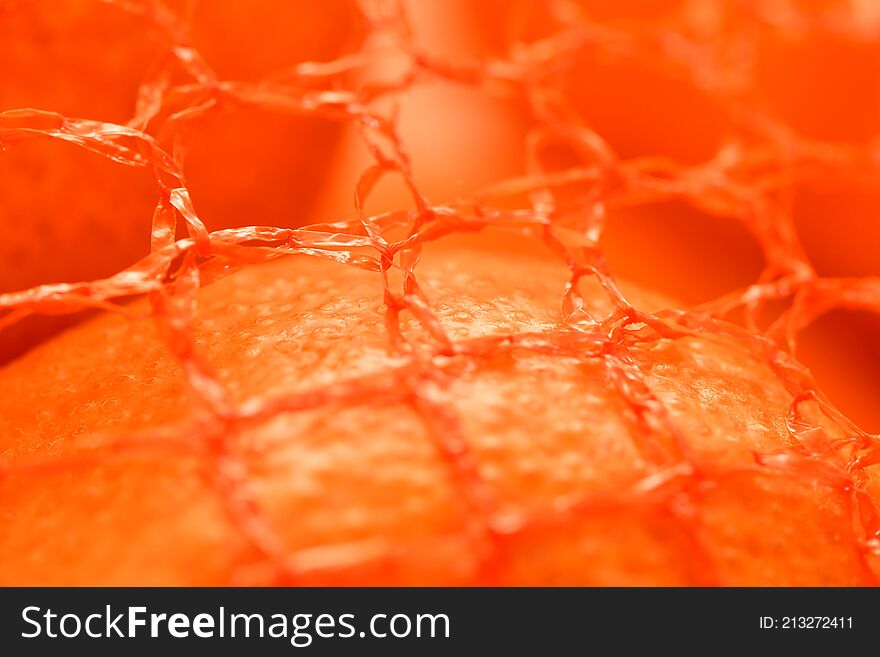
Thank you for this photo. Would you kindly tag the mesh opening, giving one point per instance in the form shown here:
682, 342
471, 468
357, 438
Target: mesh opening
744, 165
680, 251
849, 371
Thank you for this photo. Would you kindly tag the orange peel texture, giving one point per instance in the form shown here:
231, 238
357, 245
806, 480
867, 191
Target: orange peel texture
456, 390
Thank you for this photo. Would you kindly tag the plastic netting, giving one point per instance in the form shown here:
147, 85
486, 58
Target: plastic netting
743, 180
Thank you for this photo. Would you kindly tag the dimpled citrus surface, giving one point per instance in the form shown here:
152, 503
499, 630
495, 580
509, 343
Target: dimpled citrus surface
115, 477
457, 387
54, 195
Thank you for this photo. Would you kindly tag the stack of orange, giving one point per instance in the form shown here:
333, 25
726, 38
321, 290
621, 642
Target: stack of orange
539, 349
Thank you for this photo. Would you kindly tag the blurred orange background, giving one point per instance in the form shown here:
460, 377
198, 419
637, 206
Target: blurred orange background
811, 66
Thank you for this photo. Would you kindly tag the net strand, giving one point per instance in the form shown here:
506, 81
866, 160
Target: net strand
747, 180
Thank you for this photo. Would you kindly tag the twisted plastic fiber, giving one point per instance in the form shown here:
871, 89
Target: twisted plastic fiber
742, 181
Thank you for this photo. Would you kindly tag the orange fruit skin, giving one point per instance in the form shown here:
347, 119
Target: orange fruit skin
361, 488
812, 73
68, 215
364, 490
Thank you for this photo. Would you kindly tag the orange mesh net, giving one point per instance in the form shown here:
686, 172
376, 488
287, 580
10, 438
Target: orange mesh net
560, 200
